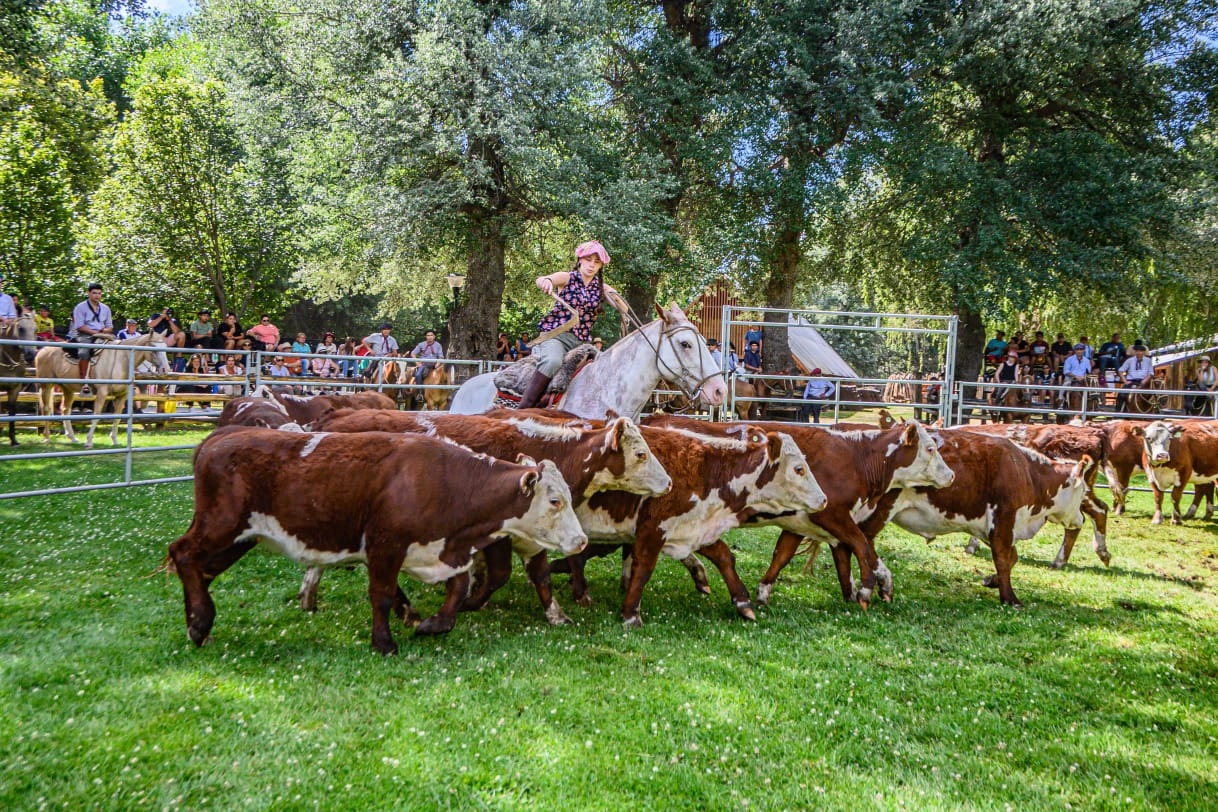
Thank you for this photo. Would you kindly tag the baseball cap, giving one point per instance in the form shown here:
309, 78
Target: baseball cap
132, 321
816, 371
1080, 346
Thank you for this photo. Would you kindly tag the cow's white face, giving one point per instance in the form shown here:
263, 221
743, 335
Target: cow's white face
1067, 507
642, 474
928, 468
793, 486
550, 521
1156, 441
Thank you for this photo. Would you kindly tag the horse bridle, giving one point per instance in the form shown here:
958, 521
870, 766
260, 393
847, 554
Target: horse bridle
692, 394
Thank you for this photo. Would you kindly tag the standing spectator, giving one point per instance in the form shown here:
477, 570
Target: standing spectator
522, 346
203, 331
733, 360
89, 319
1207, 382
503, 348
44, 324
1133, 372
818, 390
426, 350
599, 343
132, 330
264, 334
1110, 356
8, 305
231, 332
755, 334
752, 360
1061, 350
302, 345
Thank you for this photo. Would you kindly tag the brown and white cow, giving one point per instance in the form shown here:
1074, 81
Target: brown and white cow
390, 501
1174, 455
855, 468
592, 456
1002, 493
269, 409
717, 485
1066, 442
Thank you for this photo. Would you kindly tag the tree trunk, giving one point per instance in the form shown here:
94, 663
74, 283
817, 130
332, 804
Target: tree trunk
474, 322
641, 296
780, 289
970, 343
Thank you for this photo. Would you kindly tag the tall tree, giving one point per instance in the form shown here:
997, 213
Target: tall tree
456, 124
189, 205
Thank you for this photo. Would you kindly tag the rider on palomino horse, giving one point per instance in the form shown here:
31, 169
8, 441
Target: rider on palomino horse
90, 319
582, 288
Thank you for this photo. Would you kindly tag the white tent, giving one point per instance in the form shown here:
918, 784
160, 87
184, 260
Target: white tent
811, 350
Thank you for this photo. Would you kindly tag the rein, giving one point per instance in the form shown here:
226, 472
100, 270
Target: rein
630, 318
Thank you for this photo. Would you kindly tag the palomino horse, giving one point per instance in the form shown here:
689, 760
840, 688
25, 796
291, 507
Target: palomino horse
436, 400
13, 361
108, 364
622, 377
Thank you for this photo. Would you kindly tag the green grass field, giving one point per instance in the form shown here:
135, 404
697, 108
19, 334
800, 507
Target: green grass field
1099, 695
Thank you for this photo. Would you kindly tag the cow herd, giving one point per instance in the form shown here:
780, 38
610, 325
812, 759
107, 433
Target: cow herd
335, 480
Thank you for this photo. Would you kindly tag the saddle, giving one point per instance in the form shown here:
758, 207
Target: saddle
102, 339
511, 381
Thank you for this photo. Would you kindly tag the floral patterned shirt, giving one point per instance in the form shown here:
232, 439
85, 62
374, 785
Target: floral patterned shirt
585, 298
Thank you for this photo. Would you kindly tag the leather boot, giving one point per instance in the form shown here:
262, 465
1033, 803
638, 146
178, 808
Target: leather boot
537, 388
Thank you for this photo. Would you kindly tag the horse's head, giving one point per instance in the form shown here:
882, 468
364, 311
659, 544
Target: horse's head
684, 360
23, 329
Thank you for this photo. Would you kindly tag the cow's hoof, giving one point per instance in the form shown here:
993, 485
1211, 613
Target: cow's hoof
703, 588
1175, 520
632, 622
745, 610
990, 581
584, 600
764, 591
199, 638
1157, 520
1014, 603
555, 616
436, 624
863, 596
1106, 557
1058, 564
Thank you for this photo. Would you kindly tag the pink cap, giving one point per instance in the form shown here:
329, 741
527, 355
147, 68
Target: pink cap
592, 248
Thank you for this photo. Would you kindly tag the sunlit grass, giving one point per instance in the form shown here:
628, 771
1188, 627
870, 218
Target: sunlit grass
1099, 694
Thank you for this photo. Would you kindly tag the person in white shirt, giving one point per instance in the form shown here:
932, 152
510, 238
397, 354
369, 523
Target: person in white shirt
8, 305
132, 330
817, 389
1136, 369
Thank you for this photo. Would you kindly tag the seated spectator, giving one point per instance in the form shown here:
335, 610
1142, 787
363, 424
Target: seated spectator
1039, 349
132, 330
231, 367
231, 332
169, 327
203, 332
264, 334
1061, 350
996, 347
347, 366
302, 345
278, 369
196, 365
44, 324
325, 367
522, 346
293, 364
503, 348
1110, 356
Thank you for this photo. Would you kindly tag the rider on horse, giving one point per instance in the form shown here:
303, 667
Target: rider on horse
90, 318
582, 289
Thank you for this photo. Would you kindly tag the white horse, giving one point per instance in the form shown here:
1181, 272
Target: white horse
622, 377
108, 364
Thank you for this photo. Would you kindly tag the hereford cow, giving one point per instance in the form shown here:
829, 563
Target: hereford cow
1002, 493
609, 455
855, 468
1173, 455
717, 484
389, 501
259, 409
1069, 443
